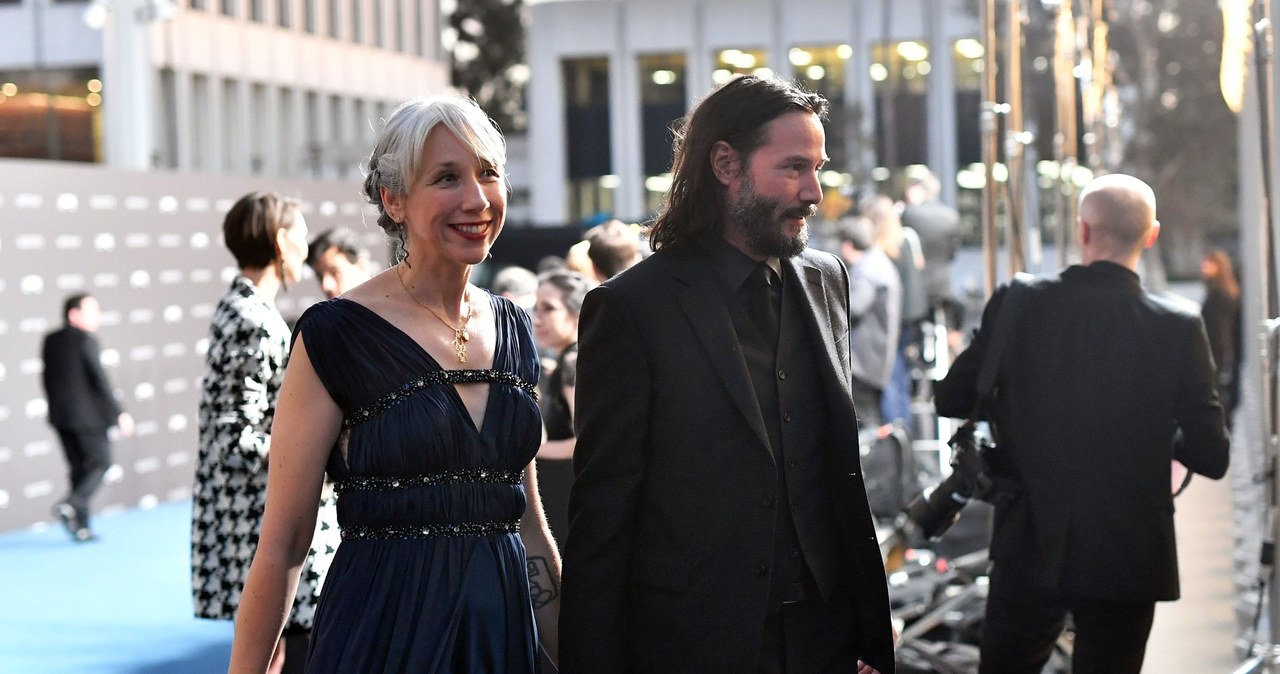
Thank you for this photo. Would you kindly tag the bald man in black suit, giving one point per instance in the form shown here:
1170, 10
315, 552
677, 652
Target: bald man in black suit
1100, 387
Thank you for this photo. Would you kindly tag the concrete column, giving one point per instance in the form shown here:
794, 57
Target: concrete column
624, 120
858, 82
698, 60
548, 197
941, 101
128, 86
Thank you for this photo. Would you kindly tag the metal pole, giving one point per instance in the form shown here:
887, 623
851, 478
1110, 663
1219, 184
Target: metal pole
1015, 237
1064, 140
1098, 84
987, 123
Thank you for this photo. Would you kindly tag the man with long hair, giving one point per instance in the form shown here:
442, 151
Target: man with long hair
719, 521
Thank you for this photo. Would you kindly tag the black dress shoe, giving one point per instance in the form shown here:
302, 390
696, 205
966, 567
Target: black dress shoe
84, 535
67, 515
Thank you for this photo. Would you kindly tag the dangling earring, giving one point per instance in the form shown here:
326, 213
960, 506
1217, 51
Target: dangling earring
403, 253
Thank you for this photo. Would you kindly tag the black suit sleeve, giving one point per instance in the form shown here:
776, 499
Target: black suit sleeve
90, 358
612, 403
1202, 443
956, 393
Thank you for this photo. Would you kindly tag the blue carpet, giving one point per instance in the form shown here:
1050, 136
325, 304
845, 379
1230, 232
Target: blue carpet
118, 605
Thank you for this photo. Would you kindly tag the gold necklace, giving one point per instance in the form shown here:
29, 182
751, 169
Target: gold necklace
460, 334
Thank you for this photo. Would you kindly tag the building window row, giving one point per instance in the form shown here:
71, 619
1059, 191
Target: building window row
257, 128
400, 25
878, 141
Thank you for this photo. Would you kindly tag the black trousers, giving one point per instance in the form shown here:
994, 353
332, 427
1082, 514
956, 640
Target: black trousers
88, 453
1023, 622
811, 637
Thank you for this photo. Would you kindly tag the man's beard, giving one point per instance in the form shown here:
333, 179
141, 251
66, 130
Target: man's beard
758, 220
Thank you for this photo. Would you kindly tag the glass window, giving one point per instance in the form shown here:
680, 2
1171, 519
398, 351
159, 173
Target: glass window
311, 112
228, 7
376, 23
662, 104
967, 54
52, 114
592, 184
201, 128
397, 24
419, 35
258, 11
822, 68
232, 126
357, 21
257, 127
289, 147
900, 73
309, 15
730, 62
284, 18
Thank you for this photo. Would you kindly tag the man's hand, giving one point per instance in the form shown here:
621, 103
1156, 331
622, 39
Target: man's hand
125, 423
864, 668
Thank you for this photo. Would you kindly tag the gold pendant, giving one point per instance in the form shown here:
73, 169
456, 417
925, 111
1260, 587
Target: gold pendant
460, 338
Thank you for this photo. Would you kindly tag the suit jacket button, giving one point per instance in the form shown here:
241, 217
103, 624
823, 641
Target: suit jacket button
782, 374
767, 501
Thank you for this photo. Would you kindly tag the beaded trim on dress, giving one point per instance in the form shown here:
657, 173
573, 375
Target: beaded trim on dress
434, 379
465, 476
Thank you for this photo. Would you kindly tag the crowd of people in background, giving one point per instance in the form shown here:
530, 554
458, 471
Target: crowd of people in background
438, 419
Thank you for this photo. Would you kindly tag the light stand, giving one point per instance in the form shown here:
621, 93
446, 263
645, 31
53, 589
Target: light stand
1265, 656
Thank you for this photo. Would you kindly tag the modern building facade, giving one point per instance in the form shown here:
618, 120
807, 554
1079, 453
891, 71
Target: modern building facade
242, 87
608, 77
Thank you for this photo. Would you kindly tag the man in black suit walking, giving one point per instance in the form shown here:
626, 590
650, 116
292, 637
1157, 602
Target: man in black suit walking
719, 521
81, 408
1100, 387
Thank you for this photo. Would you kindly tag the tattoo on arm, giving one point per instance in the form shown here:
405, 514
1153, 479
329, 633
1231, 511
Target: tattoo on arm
542, 585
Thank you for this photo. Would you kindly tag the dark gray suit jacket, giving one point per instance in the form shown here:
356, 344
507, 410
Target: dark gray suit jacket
1101, 385
670, 524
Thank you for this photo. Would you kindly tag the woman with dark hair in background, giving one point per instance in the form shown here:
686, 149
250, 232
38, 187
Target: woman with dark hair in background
1221, 313
244, 369
555, 326
416, 392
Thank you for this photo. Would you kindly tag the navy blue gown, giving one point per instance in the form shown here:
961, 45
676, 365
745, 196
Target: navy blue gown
431, 574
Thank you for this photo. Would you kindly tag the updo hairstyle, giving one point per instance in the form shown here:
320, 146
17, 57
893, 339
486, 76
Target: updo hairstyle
397, 155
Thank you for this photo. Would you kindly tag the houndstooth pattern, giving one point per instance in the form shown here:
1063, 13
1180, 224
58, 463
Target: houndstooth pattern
244, 367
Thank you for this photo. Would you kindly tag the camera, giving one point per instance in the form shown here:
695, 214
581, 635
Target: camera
934, 511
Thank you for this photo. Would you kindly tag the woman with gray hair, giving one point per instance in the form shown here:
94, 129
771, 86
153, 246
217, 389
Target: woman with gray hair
416, 391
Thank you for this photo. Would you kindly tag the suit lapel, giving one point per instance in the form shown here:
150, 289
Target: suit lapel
702, 299
821, 309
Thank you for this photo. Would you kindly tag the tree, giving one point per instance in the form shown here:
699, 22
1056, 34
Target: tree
486, 42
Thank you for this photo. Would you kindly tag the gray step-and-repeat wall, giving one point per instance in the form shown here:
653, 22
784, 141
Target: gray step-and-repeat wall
149, 246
